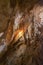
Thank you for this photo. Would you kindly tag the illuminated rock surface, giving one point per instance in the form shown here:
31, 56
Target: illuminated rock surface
29, 48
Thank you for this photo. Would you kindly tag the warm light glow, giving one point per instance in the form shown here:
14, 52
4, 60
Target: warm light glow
20, 34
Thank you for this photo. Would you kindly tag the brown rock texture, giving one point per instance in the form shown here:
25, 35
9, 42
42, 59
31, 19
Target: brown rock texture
28, 50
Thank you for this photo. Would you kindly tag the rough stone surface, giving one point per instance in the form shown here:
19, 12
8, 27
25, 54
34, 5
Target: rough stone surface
29, 52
